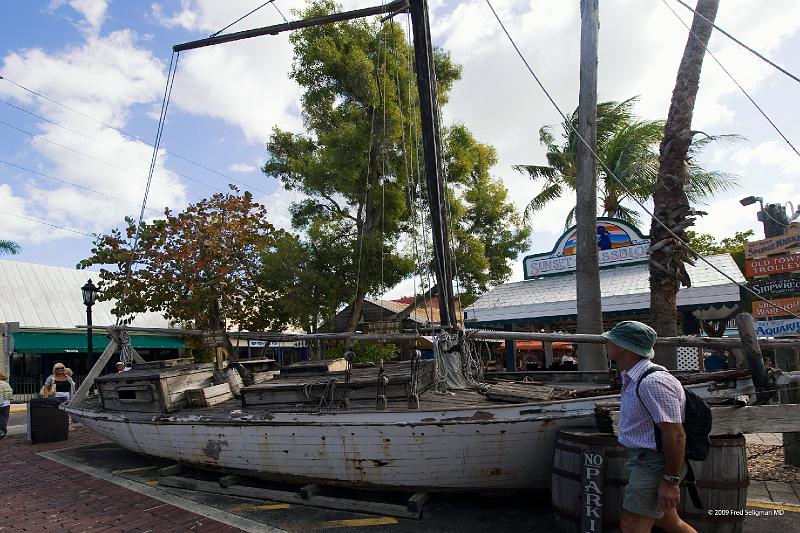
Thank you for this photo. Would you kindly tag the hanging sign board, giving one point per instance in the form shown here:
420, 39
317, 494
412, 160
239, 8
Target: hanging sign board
764, 309
256, 344
777, 328
772, 265
777, 287
773, 245
618, 243
213, 339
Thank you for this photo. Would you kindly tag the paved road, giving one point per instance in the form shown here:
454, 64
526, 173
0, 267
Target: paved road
86, 484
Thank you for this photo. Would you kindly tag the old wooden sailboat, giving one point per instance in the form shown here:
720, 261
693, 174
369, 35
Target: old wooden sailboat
409, 426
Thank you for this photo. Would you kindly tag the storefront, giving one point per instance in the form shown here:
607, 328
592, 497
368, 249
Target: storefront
546, 300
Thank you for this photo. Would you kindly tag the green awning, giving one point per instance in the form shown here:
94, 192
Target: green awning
30, 342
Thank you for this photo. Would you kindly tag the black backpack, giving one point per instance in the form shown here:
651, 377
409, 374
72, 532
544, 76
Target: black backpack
696, 425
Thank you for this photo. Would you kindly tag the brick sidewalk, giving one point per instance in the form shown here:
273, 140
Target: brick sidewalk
40, 495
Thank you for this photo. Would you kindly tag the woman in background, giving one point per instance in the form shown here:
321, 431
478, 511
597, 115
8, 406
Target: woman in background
6, 395
59, 384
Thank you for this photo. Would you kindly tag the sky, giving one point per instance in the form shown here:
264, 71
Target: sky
74, 159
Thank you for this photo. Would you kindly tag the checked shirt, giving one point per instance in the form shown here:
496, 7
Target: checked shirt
663, 397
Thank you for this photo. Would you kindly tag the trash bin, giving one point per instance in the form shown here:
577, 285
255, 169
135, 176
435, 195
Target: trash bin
46, 422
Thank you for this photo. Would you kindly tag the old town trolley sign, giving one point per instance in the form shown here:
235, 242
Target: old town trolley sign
618, 243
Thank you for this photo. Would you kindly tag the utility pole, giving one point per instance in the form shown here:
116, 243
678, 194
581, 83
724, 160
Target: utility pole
587, 276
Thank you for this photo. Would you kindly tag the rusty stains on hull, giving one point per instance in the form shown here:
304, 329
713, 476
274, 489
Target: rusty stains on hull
477, 416
212, 449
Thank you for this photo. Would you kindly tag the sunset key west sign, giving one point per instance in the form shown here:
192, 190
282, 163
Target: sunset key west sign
618, 243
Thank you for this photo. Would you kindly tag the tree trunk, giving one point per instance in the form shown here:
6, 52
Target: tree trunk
590, 314
667, 269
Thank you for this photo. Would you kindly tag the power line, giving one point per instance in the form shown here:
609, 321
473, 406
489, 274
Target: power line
98, 141
735, 82
740, 43
112, 165
46, 223
60, 180
614, 176
129, 135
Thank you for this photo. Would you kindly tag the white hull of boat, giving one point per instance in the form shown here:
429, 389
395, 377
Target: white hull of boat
497, 447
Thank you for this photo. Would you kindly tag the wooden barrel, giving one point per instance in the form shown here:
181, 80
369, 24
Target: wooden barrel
567, 479
722, 481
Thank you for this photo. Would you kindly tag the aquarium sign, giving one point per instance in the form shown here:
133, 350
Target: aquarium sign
618, 243
777, 328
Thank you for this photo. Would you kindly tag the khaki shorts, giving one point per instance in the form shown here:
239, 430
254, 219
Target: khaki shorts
645, 468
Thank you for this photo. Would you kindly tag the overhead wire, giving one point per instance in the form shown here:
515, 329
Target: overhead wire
740, 43
752, 101
129, 135
614, 176
88, 156
46, 223
72, 184
113, 147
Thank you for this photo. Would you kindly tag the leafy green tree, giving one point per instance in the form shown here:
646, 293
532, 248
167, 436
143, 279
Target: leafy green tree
488, 230
626, 145
199, 267
706, 244
356, 160
8, 247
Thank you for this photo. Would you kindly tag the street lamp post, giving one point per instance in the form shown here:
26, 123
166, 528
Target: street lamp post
89, 297
750, 200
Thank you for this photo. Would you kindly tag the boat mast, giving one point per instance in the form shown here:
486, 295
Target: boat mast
429, 120
432, 152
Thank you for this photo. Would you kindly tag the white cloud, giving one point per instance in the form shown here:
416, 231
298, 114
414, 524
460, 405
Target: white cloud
277, 204
771, 155
92, 11
242, 167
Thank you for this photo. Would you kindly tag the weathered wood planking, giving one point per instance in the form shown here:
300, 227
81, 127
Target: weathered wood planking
523, 392
208, 396
152, 390
749, 419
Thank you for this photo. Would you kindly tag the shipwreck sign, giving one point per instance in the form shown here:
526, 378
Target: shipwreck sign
772, 265
773, 245
777, 328
776, 287
766, 309
618, 243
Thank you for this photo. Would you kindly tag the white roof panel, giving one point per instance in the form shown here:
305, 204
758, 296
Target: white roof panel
622, 288
42, 296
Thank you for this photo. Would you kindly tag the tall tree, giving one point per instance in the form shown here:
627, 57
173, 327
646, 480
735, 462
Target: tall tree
199, 267
8, 247
487, 230
671, 203
357, 161
628, 147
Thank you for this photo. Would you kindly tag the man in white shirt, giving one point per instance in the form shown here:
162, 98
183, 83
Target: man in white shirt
651, 428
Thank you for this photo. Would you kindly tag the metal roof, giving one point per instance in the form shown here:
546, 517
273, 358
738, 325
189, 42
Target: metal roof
622, 289
42, 296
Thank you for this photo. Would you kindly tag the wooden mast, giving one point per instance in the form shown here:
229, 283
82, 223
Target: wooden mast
432, 152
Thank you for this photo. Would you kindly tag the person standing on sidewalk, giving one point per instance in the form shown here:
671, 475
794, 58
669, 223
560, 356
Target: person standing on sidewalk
6, 395
653, 490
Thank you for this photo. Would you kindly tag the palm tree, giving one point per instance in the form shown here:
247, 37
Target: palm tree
8, 247
628, 148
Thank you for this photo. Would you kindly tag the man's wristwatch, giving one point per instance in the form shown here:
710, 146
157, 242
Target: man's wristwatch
671, 479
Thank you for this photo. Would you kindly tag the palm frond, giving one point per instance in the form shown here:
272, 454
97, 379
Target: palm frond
9, 247
536, 171
550, 192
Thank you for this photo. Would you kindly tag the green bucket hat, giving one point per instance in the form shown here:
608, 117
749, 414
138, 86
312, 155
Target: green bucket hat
634, 336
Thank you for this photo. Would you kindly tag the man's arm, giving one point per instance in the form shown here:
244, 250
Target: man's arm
673, 444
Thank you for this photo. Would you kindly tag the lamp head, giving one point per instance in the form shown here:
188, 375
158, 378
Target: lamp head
750, 200
90, 292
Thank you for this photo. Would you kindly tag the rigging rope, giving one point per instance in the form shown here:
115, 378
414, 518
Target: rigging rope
619, 182
737, 41
763, 113
241, 18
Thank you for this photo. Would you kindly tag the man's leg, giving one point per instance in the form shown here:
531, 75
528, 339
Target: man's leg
635, 523
672, 523
4, 411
